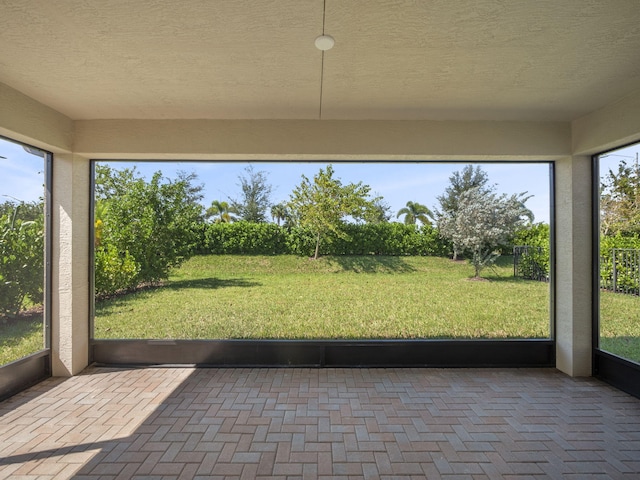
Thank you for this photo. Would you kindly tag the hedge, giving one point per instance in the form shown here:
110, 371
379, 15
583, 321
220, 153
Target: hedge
533, 260
359, 239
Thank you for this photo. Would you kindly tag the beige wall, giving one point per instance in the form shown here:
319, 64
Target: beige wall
312, 139
24, 119
573, 265
70, 252
613, 126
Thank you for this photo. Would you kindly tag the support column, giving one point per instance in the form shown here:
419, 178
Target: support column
70, 265
573, 295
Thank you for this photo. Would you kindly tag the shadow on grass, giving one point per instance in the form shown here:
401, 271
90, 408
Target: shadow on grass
492, 277
210, 283
198, 283
627, 347
372, 264
504, 261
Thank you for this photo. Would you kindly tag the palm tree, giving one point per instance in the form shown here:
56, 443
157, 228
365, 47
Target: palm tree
223, 210
415, 211
279, 212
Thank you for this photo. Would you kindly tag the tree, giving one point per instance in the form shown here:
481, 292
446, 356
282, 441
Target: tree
256, 196
279, 212
483, 222
322, 205
222, 210
381, 212
460, 182
28, 211
414, 212
146, 227
620, 201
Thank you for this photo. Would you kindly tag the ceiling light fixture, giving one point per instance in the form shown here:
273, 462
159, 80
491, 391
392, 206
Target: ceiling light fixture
325, 42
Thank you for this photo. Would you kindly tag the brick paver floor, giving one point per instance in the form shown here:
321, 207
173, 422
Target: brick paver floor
175, 423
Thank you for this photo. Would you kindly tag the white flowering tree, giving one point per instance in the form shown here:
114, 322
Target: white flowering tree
461, 181
483, 222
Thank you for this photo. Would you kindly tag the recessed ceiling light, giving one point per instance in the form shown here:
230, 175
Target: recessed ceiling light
325, 42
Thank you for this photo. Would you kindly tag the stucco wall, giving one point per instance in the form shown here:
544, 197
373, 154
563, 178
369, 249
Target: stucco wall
25, 120
611, 127
573, 265
329, 140
70, 265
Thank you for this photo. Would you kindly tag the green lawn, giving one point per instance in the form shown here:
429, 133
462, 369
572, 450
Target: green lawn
289, 297
20, 336
213, 297
620, 324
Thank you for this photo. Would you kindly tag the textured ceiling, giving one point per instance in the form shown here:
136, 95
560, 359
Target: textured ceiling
249, 59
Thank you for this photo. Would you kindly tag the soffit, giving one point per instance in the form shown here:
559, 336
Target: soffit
443, 60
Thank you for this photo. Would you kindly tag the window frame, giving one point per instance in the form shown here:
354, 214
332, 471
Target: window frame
31, 369
608, 367
516, 353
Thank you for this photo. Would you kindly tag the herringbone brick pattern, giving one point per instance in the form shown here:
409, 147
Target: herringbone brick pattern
171, 423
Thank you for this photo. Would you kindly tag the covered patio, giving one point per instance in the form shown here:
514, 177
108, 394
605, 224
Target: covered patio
426, 81
175, 423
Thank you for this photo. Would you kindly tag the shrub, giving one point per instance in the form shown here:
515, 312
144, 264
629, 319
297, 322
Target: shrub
390, 239
21, 261
625, 269
245, 238
356, 239
153, 225
114, 272
532, 262
537, 235
301, 241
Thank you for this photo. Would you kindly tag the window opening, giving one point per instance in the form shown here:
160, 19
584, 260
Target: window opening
618, 326
24, 326
232, 269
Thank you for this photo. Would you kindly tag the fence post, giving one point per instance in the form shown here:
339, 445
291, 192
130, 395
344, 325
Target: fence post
636, 274
614, 275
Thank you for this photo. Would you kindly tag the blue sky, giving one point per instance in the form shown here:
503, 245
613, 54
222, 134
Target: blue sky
611, 160
397, 183
21, 173
21, 177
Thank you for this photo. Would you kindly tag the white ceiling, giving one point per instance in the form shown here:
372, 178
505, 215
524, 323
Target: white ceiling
255, 59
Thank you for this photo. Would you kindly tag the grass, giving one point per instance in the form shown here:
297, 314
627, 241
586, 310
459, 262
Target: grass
620, 324
20, 336
334, 297
288, 297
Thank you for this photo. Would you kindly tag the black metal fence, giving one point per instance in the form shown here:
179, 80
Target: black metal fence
531, 263
620, 271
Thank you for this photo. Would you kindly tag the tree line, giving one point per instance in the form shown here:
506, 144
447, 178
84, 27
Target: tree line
143, 229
